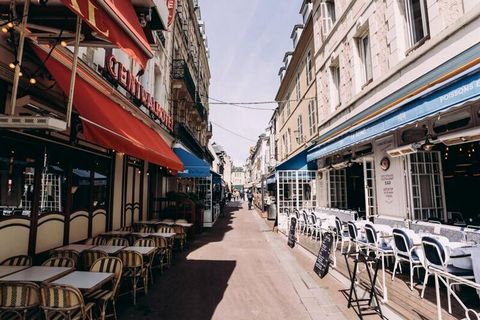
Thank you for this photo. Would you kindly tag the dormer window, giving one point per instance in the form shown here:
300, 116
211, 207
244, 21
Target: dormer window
306, 10
296, 33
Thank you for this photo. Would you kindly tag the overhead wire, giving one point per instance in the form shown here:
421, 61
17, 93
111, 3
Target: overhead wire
233, 132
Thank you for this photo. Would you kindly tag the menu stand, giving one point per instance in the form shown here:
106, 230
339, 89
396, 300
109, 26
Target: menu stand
362, 310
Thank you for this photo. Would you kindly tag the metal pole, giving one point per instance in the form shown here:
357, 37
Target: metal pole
18, 62
71, 92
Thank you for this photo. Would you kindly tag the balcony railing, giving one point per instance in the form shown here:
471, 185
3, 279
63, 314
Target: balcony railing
180, 71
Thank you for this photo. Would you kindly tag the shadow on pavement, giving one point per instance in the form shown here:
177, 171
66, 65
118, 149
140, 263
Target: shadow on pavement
190, 289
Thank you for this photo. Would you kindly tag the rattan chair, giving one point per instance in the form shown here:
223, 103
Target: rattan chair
147, 242
104, 296
147, 229
59, 262
134, 269
65, 254
163, 253
21, 260
118, 242
64, 302
180, 236
19, 300
127, 228
97, 241
90, 256
165, 229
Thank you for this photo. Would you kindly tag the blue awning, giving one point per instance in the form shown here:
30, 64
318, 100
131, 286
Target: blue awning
194, 166
297, 162
272, 179
453, 92
216, 178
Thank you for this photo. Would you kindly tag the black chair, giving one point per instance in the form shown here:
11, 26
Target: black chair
436, 258
404, 250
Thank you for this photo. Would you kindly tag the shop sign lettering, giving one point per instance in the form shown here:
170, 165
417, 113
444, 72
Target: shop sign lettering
130, 83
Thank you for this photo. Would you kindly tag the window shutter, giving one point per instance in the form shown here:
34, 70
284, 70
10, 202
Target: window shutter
326, 20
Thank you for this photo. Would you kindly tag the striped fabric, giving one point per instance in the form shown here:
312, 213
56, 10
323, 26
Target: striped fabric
59, 262
145, 242
99, 241
118, 242
165, 229
90, 256
65, 254
63, 302
134, 269
21, 260
147, 229
128, 229
131, 259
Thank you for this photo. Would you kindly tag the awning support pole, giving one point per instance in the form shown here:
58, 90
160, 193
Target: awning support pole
18, 62
71, 91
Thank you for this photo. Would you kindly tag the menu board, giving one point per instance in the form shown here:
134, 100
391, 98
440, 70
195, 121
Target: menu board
292, 238
323, 259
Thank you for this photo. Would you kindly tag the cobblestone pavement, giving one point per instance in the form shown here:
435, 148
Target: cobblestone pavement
240, 270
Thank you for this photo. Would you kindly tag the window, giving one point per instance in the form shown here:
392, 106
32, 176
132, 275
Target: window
287, 103
327, 12
365, 57
312, 117
289, 140
334, 85
309, 67
299, 131
417, 21
297, 87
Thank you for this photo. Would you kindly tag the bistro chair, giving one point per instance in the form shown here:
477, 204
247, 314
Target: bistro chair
165, 229
102, 297
307, 227
21, 261
341, 233
147, 229
315, 227
65, 254
19, 300
180, 236
300, 222
97, 241
90, 256
147, 242
436, 258
163, 253
126, 228
134, 269
355, 238
118, 242
64, 302
59, 262
404, 250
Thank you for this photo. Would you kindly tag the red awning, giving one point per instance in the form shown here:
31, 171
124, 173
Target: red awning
106, 123
116, 21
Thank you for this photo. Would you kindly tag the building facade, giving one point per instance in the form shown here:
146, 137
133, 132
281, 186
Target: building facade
76, 163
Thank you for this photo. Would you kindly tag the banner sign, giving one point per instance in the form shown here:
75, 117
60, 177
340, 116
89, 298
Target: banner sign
323, 259
172, 8
292, 237
117, 71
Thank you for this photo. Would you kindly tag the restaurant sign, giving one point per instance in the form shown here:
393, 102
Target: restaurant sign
127, 80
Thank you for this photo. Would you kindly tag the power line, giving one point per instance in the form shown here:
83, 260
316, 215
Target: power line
233, 132
220, 102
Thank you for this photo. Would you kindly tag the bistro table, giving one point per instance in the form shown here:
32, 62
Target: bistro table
110, 250
38, 274
116, 233
6, 270
76, 247
85, 281
144, 251
166, 235
149, 222
184, 224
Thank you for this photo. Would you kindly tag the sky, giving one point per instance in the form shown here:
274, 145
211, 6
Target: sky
247, 41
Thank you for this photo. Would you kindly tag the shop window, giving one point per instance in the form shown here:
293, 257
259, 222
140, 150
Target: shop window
17, 175
426, 186
451, 122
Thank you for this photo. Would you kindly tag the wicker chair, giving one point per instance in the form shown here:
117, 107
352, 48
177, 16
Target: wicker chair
65, 254
128, 229
163, 253
134, 269
118, 242
147, 229
97, 241
64, 302
19, 300
90, 256
165, 229
59, 262
103, 296
180, 235
147, 242
21, 260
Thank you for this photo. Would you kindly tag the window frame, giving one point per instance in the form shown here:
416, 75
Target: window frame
365, 54
309, 66
312, 117
335, 97
299, 129
297, 87
410, 26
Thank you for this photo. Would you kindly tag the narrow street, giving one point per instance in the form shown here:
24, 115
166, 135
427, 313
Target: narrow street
240, 270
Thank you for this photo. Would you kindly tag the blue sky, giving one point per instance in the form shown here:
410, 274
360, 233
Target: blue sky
247, 41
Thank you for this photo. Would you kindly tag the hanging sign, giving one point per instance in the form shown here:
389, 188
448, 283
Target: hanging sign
125, 78
292, 238
323, 259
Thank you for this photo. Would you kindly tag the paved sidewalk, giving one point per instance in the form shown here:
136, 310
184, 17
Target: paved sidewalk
240, 270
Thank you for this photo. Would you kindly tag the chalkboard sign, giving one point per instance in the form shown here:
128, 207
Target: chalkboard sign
292, 238
323, 259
